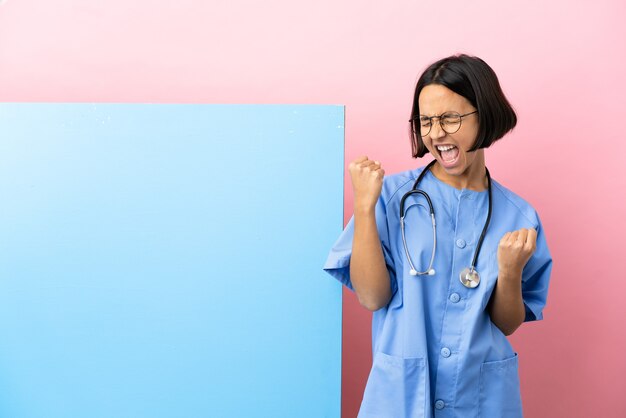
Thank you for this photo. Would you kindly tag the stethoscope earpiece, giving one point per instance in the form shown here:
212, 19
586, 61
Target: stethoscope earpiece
414, 272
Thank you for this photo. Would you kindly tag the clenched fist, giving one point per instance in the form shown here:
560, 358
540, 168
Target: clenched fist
367, 182
514, 251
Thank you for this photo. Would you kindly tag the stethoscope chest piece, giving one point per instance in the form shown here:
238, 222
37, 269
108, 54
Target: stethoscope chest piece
470, 278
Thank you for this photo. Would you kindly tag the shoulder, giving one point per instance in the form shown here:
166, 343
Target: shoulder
514, 202
398, 183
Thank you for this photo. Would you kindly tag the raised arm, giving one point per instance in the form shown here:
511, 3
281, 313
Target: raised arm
368, 272
506, 306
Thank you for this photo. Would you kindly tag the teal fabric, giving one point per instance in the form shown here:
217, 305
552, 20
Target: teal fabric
435, 350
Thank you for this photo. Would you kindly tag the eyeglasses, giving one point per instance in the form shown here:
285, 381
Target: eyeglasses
450, 122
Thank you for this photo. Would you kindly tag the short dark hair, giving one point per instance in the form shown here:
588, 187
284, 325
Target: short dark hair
473, 79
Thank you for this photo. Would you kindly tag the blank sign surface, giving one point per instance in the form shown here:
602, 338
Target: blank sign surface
165, 260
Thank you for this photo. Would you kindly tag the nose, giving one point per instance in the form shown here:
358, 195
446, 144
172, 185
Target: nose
436, 131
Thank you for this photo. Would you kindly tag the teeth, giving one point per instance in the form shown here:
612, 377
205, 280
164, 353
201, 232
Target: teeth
445, 147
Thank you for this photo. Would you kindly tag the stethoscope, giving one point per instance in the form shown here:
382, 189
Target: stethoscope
469, 276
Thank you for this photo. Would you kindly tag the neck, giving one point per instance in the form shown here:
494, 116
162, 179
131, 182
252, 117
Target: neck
474, 178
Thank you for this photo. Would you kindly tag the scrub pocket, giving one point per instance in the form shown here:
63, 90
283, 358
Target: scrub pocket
499, 389
396, 387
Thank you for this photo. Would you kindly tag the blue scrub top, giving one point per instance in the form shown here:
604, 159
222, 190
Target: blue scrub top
435, 350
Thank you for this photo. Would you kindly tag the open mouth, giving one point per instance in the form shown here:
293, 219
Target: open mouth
448, 153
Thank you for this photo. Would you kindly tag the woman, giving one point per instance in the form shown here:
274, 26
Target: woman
442, 312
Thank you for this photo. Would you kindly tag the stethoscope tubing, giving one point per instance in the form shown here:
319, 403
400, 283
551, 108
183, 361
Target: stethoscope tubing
472, 269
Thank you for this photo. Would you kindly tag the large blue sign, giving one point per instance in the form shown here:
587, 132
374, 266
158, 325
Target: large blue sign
166, 260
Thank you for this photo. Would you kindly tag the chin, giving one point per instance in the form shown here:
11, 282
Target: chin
460, 168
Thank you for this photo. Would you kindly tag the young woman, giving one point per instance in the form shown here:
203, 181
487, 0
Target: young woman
449, 260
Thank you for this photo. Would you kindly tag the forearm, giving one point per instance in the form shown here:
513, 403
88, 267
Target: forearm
507, 306
368, 271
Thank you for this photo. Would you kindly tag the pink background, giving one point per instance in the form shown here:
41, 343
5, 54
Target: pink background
561, 64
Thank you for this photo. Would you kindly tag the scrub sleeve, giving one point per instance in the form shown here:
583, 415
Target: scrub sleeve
338, 261
536, 277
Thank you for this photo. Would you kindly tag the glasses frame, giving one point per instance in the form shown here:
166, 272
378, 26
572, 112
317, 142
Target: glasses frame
430, 120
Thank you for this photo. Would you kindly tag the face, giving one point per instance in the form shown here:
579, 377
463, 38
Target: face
450, 150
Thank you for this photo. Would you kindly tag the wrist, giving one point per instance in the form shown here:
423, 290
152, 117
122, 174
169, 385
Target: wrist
509, 271
364, 210
510, 275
